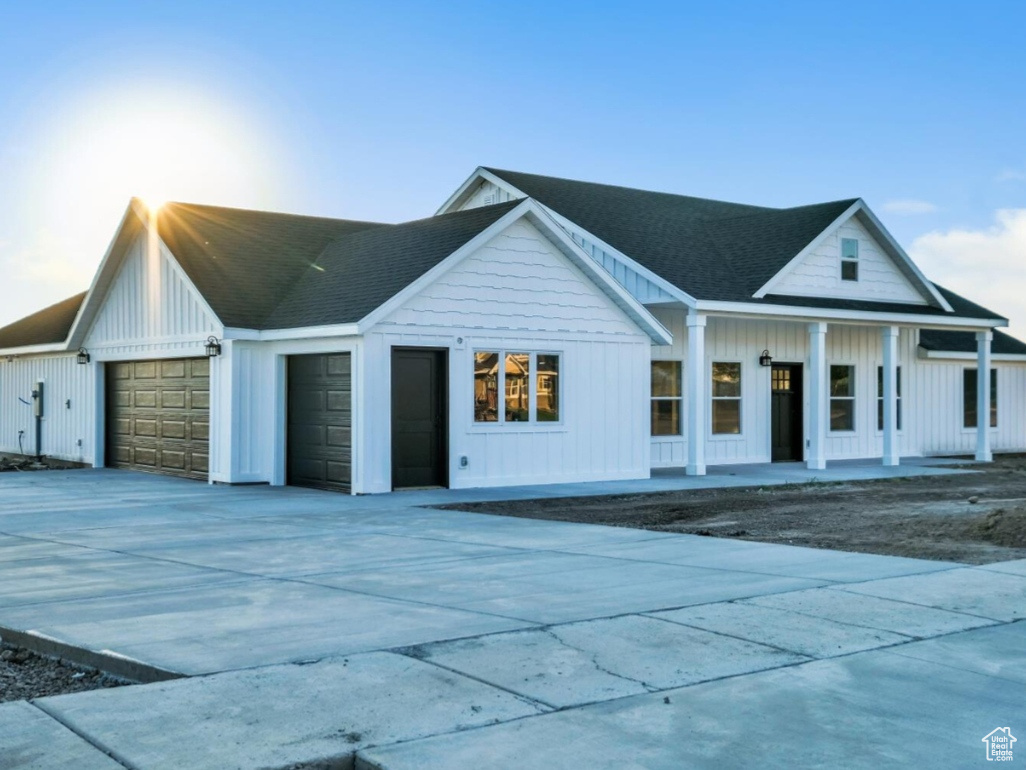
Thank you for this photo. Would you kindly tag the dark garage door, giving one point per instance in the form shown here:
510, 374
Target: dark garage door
158, 416
320, 421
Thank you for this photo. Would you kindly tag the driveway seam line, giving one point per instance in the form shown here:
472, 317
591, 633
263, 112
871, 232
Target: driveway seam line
99, 746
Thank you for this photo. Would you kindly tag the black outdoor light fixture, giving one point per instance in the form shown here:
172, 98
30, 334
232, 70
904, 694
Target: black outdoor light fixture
213, 347
83, 356
765, 359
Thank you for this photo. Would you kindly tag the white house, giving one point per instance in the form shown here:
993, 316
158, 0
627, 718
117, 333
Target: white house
534, 330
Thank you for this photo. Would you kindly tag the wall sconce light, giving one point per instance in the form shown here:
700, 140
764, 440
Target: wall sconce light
213, 347
83, 356
765, 359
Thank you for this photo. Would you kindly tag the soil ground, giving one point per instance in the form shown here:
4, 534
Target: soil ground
25, 675
925, 517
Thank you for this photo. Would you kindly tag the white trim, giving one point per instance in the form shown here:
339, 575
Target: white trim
541, 219
955, 355
465, 190
302, 332
859, 317
32, 350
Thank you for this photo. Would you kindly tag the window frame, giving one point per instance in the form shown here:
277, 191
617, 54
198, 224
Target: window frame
532, 424
995, 391
854, 261
740, 398
853, 398
679, 435
879, 400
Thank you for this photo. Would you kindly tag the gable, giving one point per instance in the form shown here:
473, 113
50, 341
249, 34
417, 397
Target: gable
818, 273
150, 300
487, 194
520, 281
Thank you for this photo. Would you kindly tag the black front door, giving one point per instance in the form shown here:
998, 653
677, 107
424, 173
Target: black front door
788, 436
419, 418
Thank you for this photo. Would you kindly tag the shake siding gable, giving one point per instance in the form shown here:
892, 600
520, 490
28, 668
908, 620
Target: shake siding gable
819, 273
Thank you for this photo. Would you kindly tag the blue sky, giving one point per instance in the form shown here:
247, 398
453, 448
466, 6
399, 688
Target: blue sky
378, 111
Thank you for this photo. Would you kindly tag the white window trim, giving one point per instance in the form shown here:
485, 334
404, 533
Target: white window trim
961, 407
904, 416
683, 404
854, 398
532, 425
740, 435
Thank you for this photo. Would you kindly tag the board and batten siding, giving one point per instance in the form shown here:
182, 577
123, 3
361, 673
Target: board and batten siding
818, 274
69, 399
519, 293
741, 340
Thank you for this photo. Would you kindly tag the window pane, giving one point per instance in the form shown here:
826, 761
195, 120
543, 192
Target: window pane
879, 382
849, 270
666, 417
849, 248
665, 379
969, 398
726, 416
842, 380
726, 381
842, 414
993, 398
518, 382
547, 394
486, 387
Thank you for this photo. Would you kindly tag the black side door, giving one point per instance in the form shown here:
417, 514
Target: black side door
420, 422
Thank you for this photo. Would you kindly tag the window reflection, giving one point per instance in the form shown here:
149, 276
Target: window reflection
518, 383
486, 387
547, 403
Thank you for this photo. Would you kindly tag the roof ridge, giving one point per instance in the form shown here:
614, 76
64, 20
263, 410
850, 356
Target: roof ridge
266, 212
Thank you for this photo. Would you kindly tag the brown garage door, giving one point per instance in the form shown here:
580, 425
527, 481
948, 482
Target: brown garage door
320, 421
158, 416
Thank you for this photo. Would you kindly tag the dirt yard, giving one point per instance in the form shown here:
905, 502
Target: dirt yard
975, 518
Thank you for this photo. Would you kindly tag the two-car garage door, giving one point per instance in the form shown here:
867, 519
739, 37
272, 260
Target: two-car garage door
158, 416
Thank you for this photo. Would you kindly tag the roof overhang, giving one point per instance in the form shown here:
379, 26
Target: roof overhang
965, 355
540, 217
34, 350
850, 317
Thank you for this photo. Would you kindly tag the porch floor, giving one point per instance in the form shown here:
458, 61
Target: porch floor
717, 477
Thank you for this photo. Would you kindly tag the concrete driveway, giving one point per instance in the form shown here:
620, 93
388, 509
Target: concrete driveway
318, 628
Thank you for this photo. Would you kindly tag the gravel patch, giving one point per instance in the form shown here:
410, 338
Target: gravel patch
25, 675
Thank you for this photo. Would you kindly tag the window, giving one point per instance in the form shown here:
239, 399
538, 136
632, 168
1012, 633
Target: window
849, 259
880, 398
842, 398
547, 392
969, 398
524, 399
726, 398
666, 398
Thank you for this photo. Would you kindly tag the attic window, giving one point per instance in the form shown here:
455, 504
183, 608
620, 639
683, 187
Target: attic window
849, 259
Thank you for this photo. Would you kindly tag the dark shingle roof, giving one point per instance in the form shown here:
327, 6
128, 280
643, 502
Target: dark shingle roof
244, 262
961, 306
358, 273
965, 342
712, 250
45, 327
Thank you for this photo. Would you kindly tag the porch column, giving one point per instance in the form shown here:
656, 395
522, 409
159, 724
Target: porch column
983, 340
696, 395
890, 395
818, 396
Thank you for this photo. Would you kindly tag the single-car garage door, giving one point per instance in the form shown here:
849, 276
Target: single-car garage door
320, 419
158, 416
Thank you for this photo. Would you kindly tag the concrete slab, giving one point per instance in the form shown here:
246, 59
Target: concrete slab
251, 623
999, 651
802, 634
579, 663
872, 612
559, 588
283, 716
32, 740
973, 591
863, 712
1017, 567
767, 558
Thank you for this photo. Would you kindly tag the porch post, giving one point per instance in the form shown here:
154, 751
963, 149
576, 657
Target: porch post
983, 452
890, 395
818, 397
696, 395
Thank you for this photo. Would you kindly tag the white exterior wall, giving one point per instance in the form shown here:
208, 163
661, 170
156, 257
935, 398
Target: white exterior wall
931, 392
487, 194
68, 400
818, 274
519, 293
